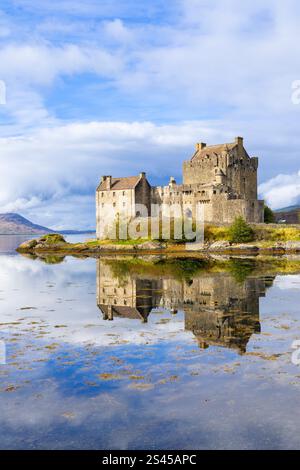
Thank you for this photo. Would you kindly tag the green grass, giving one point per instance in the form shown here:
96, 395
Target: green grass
277, 233
262, 233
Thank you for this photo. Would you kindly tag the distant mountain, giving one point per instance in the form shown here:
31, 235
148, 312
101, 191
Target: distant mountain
15, 224
75, 232
288, 209
291, 215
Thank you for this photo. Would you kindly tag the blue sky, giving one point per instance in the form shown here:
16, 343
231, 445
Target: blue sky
116, 87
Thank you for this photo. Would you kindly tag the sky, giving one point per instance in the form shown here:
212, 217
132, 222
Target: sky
117, 87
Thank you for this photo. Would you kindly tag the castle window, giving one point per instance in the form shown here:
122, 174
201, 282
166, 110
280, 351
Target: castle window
102, 194
124, 204
114, 204
123, 193
102, 204
125, 303
114, 194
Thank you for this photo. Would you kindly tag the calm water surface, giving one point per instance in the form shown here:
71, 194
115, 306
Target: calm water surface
96, 356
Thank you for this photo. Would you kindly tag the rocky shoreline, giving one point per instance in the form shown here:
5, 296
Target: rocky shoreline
56, 244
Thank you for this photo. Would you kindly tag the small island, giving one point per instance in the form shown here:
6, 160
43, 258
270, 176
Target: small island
238, 238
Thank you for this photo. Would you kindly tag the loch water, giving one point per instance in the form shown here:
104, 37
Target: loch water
131, 353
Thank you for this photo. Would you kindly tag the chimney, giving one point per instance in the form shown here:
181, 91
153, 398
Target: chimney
142, 174
239, 141
108, 182
200, 146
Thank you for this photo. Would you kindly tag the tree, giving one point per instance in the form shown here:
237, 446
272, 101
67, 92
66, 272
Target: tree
269, 216
240, 231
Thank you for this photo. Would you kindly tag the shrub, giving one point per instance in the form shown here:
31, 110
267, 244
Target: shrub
240, 231
269, 216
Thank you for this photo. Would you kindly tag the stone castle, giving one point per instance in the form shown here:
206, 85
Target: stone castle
222, 178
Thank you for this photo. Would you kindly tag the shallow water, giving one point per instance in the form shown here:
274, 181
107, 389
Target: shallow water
96, 358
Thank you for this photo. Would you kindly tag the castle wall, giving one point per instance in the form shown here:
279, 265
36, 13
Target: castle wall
226, 210
216, 203
143, 194
111, 203
200, 171
240, 171
222, 179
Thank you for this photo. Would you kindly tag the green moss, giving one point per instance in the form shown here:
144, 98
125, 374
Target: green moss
52, 238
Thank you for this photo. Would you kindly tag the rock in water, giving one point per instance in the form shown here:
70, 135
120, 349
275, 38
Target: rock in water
28, 245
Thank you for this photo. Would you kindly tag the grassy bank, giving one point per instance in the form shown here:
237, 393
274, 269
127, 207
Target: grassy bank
239, 237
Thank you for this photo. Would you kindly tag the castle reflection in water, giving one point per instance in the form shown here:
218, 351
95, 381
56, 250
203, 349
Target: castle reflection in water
218, 310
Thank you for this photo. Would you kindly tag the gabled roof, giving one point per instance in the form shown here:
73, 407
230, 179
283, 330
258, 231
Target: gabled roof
211, 150
128, 182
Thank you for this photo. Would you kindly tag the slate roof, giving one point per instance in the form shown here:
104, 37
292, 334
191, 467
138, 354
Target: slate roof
211, 150
128, 182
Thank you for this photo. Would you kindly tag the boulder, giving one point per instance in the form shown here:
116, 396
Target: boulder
245, 247
220, 245
116, 247
151, 245
28, 245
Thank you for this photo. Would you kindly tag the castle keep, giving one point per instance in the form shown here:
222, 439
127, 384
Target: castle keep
222, 178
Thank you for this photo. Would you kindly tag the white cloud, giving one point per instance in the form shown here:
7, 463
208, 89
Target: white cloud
57, 169
281, 191
99, 332
40, 64
225, 66
117, 31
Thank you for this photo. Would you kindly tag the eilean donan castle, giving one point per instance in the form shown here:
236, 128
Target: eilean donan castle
222, 178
